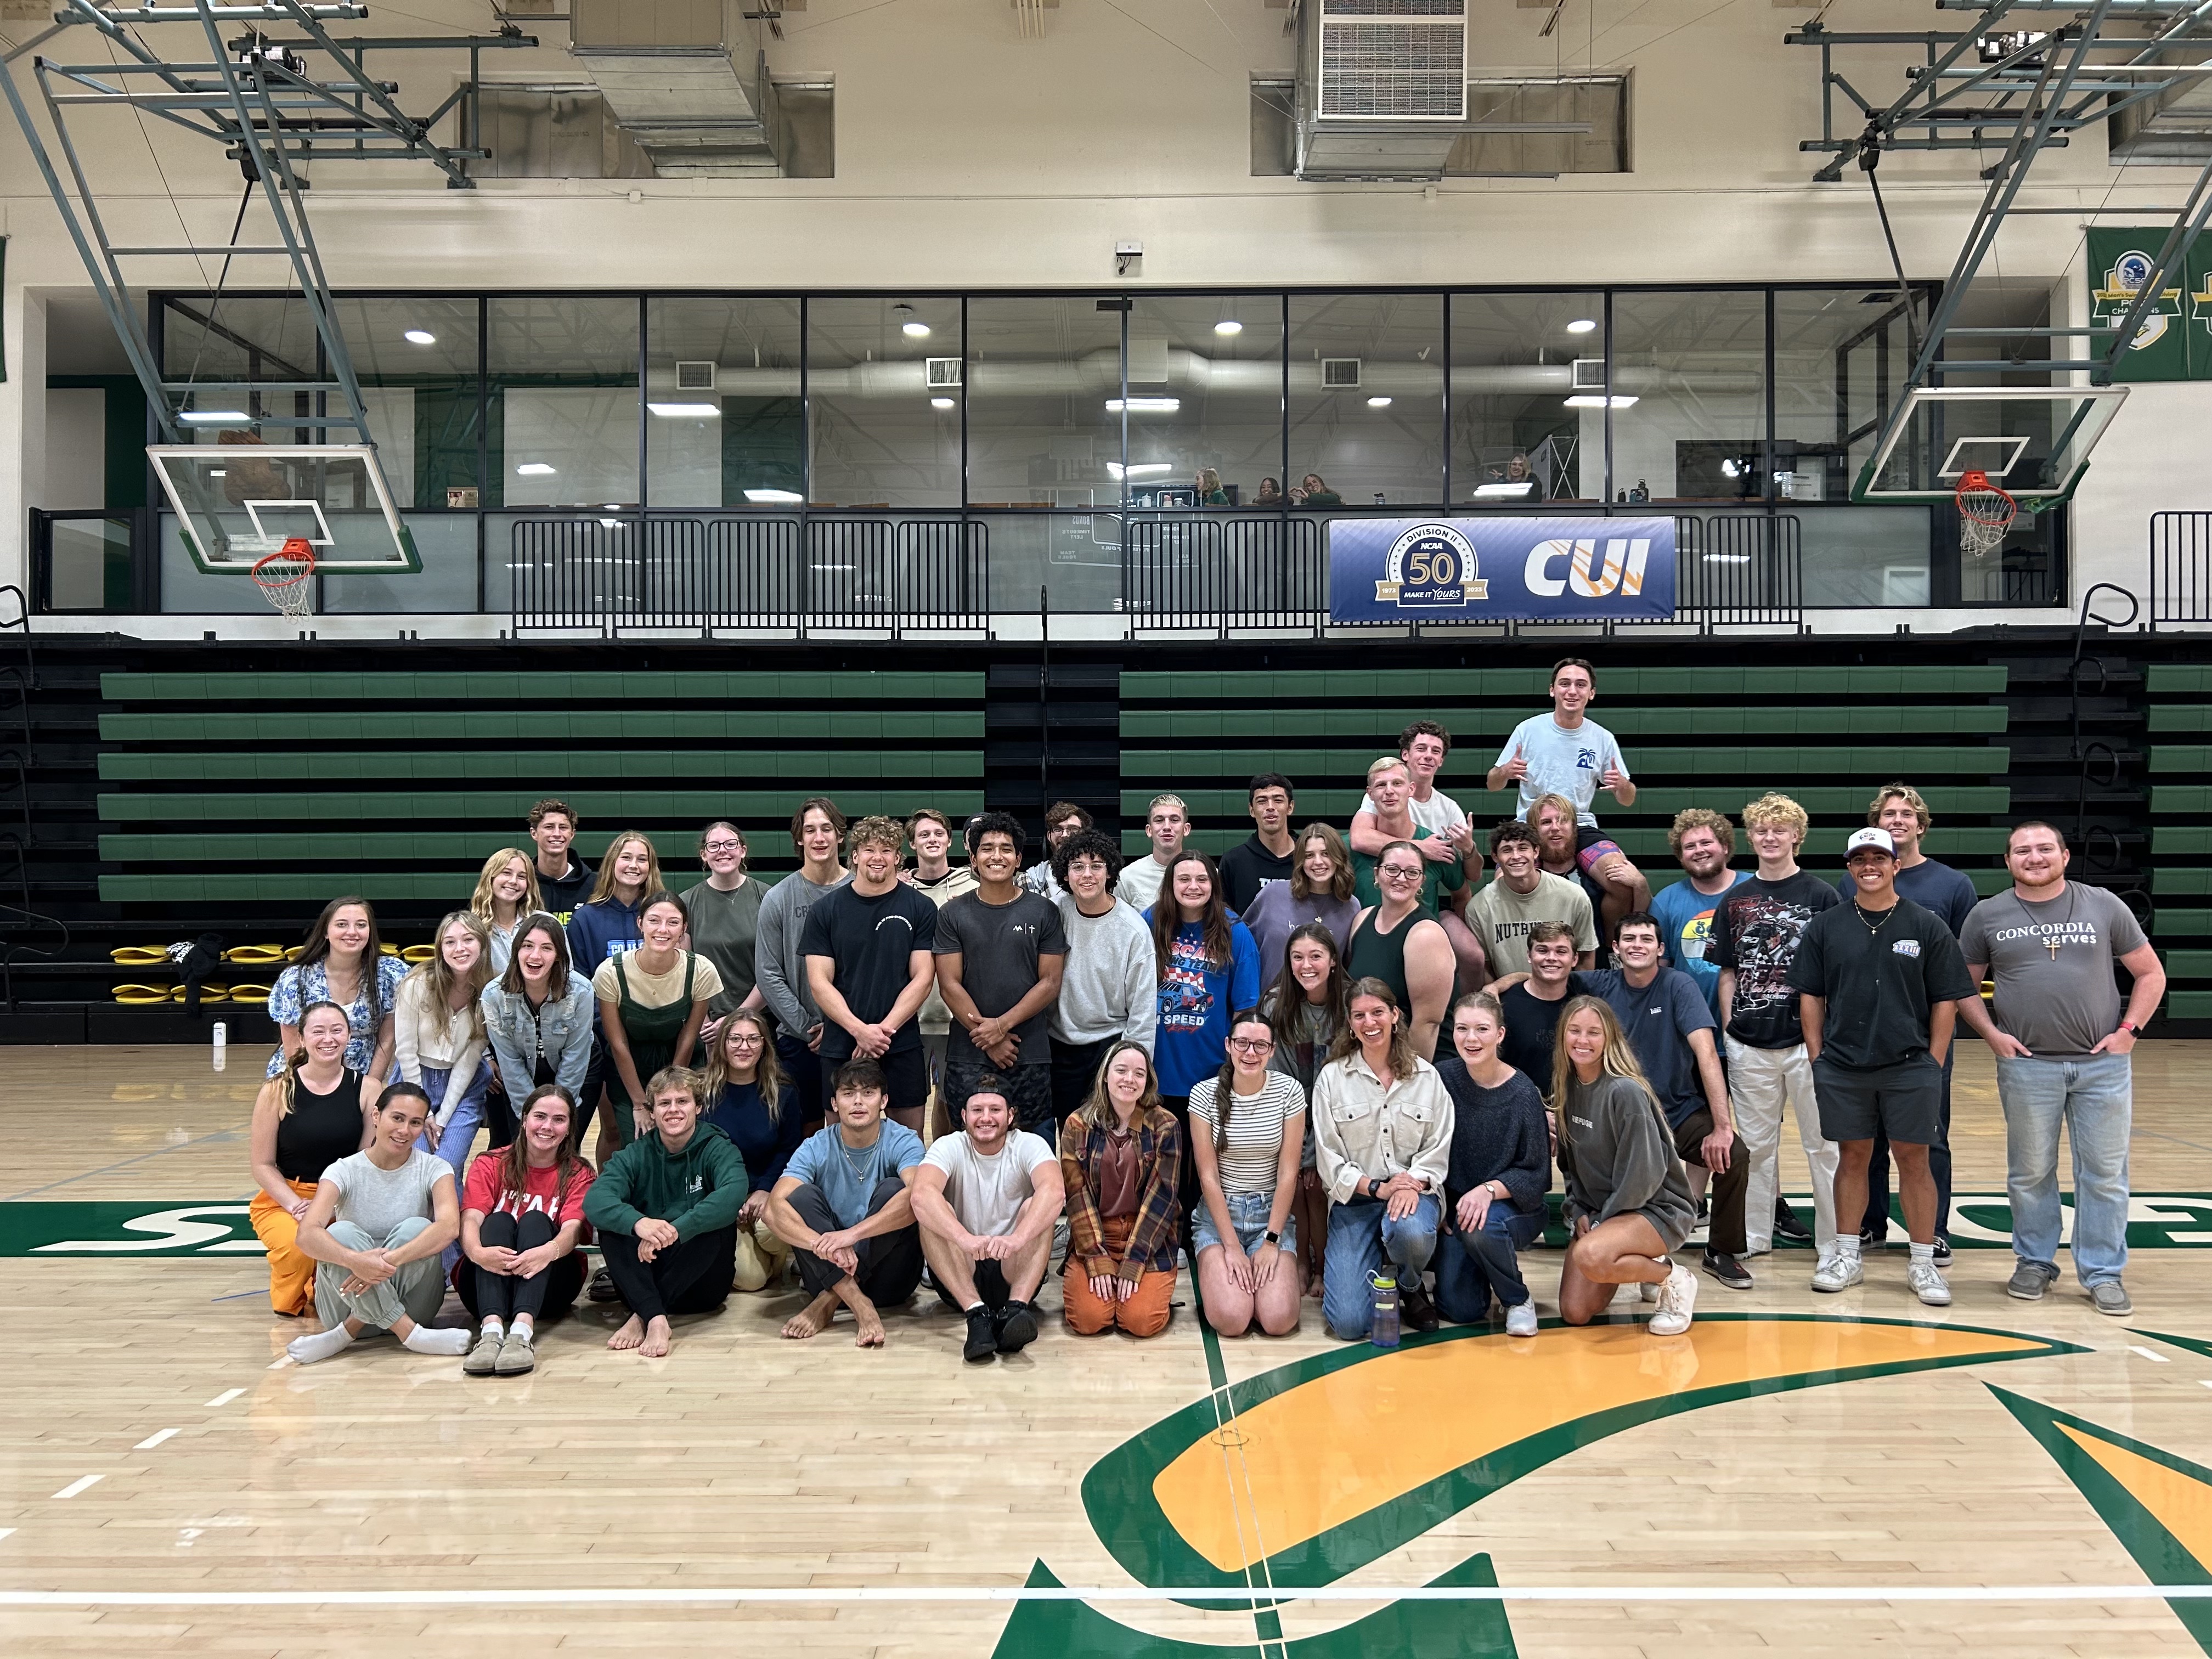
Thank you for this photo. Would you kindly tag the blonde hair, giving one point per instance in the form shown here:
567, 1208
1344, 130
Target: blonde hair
1909, 795
1158, 801
670, 1079
1537, 809
1700, 818
480, 902
1618, 1060
438, 982
1777, 809
876, 831
1384, 762
604, 888
1097, 1108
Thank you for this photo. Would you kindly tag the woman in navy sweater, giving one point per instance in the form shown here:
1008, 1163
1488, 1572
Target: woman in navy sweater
749, 1100
1500, 1169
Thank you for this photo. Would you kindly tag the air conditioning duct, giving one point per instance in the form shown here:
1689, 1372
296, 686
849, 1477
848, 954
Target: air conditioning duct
672, 74
1382, 87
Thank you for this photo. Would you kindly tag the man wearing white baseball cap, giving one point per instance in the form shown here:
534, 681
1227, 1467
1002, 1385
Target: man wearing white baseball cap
1878, 981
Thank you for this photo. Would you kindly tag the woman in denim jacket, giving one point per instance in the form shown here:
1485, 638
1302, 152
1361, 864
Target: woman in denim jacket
538, 1015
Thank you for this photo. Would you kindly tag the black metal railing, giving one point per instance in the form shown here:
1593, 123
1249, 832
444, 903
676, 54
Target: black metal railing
2180, 567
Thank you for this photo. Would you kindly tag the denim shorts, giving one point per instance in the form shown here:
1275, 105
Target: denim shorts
1247, 1213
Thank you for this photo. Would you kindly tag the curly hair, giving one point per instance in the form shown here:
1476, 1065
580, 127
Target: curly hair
1700, 818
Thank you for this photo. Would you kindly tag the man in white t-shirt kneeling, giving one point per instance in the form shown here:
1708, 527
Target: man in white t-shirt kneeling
986, 1199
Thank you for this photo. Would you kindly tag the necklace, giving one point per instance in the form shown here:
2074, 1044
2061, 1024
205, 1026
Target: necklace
860, 1171
1873, 928
2065, 924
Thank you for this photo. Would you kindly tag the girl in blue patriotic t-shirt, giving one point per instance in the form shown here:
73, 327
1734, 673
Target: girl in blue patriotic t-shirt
1209, 969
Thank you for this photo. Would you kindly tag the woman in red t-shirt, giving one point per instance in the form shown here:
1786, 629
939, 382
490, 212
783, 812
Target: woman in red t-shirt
522, 1217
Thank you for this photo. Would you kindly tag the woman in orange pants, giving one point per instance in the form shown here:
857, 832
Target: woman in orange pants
1121, 1155
306, 1118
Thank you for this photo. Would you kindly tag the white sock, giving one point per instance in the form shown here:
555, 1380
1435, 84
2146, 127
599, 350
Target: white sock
1925, 1252
1847, 1246
423, 1339
494, 1326
525, 1327
307, 1350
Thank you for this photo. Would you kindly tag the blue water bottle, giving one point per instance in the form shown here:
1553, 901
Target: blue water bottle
1383, 1332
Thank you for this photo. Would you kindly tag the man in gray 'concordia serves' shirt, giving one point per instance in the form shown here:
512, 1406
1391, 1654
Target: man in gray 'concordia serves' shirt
2062, 1044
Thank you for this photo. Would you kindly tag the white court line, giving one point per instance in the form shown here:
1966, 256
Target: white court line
153, 1440
7, 1532
281, 1361
1236, 1597
2158, 1359
222, 1398
78, 1485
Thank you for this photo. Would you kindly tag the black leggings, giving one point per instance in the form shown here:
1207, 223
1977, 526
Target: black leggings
692, 1276
890, 1265
544, 1295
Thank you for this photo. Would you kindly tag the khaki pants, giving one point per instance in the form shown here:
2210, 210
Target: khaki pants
761, 1254
1760, 1082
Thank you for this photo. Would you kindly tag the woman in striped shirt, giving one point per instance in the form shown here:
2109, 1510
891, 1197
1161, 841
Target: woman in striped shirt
1248, 1127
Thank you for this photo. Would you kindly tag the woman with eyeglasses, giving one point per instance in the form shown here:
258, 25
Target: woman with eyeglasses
1248, 1127
749, 1100
1405, 947
725, 921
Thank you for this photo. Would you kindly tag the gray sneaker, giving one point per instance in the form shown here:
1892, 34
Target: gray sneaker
2111, 1297
2029, 1280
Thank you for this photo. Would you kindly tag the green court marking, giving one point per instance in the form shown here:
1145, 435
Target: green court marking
2188, 1343
216, 1227
2164, 1559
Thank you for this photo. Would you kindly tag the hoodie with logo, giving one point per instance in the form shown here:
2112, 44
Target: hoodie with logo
699, 1189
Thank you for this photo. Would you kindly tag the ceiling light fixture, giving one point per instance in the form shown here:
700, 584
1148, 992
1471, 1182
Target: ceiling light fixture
1593, 400
1513, 487
420, 337
692, 411
1142, 469
1378, 403
1228, 325
941, 402
1582, 326
1145, 405
533, 470
789, 496
213, 415
913, 330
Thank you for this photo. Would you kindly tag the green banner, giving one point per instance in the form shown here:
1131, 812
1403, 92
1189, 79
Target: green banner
2174, 340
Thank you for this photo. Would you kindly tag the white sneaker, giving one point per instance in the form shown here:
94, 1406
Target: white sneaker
1838, 1272
1926, 1279
1678, 1299
1522, 1320
1647, 1293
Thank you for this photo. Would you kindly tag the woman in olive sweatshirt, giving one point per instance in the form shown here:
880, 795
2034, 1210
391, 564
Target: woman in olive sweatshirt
665, 1210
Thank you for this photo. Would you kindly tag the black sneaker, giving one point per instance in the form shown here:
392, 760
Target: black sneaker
1872, 1239
1943, 1251
1787, 1225
1016, 1327
983, 1337
1416, 1311
1726, 1269
602, 1287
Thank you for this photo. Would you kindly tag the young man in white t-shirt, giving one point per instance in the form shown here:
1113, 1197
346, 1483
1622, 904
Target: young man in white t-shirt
1167, 821
986, 1199
1564, 754
1423, 745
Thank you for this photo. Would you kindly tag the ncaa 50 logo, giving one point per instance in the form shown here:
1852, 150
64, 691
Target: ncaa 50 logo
1431, 565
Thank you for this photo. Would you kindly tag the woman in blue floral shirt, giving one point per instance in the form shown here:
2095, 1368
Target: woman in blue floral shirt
344, 962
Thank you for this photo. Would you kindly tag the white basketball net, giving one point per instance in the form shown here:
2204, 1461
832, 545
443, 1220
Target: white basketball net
1986, 515
286, 581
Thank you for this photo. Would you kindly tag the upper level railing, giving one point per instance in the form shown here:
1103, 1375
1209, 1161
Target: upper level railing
2180, 567
919, 573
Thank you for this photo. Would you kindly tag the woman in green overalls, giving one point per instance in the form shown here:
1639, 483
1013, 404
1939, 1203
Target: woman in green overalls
651, 1002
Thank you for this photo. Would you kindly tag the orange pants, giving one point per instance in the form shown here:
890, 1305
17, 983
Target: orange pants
291, 1274
1144, 1313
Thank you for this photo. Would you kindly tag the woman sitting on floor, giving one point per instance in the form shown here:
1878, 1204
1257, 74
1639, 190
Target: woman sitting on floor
304, 1120
665, 1209
522, 1217
1248, 1127
1500, 1169
749, 1100
1121, 1158
377, 1224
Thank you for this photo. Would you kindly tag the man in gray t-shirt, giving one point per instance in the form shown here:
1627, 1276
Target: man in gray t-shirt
2062, 1043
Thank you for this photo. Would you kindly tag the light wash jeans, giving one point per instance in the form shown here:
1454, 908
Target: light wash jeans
1359, 1236
460, 1131
415, 1291
2094, 1096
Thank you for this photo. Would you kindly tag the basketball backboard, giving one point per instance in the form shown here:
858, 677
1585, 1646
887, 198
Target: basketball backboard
237, 502
2032, 441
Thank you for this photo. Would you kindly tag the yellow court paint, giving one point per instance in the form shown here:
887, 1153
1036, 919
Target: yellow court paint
2181, 1503
1331, 1449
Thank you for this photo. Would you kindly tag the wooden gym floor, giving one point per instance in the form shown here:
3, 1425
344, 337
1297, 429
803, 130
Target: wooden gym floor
170, 1484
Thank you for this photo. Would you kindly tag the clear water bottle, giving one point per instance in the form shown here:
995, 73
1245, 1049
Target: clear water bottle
222, 1045
1383, 1332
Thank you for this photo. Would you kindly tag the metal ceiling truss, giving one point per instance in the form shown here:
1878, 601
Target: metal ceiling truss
253, 95
2016, 83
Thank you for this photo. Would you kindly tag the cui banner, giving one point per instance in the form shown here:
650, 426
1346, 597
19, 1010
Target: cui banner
1500, 569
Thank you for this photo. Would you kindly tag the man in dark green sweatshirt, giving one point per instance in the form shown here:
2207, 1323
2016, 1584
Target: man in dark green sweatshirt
665, 1210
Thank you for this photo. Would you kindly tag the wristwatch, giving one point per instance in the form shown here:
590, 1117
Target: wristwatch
1272, 1237
2131, 1028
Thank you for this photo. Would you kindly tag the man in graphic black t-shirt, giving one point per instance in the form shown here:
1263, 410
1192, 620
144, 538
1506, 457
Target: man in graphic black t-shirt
1880, 979
1756, 928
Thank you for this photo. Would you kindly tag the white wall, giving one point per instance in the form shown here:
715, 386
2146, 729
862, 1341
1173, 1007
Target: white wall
970, 157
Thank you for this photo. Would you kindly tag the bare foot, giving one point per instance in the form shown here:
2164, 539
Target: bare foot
871, 1329
631, 1333
656, 1340
1313, 1290
812, 1320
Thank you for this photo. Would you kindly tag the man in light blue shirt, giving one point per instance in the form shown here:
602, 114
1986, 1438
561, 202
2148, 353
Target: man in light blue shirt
1564, 754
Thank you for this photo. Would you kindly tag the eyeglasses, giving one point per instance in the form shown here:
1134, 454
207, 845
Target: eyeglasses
1400, 873
723, 846
1251, 1045
744, 1040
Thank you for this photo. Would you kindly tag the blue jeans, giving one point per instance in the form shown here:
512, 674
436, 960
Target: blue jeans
1471, 1267
1360, 1236
2094, 1096
1248, 1214
460, 1131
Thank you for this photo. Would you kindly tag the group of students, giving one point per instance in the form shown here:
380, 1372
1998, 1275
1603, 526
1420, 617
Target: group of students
1328, 1057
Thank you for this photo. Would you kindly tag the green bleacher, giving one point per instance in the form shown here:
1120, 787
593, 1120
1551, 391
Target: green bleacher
2181, 844
1828, 736
256, 788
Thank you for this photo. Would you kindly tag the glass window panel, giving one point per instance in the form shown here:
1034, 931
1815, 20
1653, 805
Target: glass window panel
741, 441
421, 393
1220, 361
1514, 440
1367, 383
1041, 376
1696, 364
884, 436
563, 403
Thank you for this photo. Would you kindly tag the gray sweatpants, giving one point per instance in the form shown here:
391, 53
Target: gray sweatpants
414, 1291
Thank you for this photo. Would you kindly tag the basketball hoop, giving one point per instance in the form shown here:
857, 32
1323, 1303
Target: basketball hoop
282, 577
1986, 515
